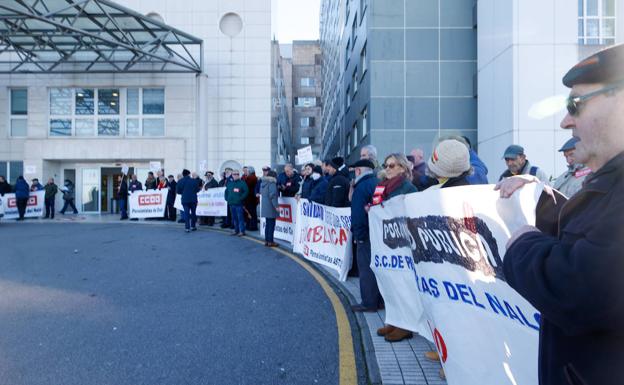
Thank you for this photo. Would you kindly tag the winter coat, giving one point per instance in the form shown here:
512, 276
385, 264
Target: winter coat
171, 193
251, 182
528, 169
5, 188
289, 185
479, 170
122, 192
572, 180
573, 277
306, 187
236, 192
211, 184
135, 186
36, 187
69, 193
21, 189
151, 184
188, 188
362, 196
269, 206
337, 194
319, 189
50, 190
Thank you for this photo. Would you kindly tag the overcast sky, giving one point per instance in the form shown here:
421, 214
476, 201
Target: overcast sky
295, 20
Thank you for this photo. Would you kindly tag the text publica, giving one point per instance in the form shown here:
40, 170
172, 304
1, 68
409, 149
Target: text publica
466, 242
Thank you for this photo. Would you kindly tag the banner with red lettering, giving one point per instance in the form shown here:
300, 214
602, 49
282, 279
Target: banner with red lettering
34, 208
438, 259
323, 235
285, 223
147, 204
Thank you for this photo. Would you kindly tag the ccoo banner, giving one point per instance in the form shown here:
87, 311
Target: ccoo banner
34, 207
323, 235
437, 256
211, 202
147, 204
285, 222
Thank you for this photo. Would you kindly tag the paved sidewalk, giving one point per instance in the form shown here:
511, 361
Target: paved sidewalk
399, 363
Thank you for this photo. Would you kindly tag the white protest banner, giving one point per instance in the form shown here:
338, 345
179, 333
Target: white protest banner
211, 203
323, 235
178, 202
305, 155
285, 222
34, 207
154, 166
454, 240
147, 204
125, 169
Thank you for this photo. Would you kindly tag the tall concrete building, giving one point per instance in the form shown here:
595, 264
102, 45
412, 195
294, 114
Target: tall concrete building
400, 73
299, 64
86, 87
397, 74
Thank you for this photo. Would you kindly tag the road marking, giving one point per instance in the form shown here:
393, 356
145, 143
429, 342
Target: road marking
346, 355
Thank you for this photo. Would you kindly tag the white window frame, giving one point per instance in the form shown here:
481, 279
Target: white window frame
17, 117
354, 136
122, 116
363, 64
601, 39
305, 140
307, 82
364, 122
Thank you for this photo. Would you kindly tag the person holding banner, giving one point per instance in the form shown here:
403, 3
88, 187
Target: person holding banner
170, 211
188, 188
397, 176
269, 206
22, 191
122, 197
235, 194
573, 275
364, 188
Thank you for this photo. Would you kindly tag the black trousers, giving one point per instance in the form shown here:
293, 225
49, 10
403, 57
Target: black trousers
171, 213
252, 223
49, 206
21, 206
69, 202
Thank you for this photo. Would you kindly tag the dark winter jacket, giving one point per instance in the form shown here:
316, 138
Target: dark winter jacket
573, 277
151, 184
5, 188
319, 189
50, 190
21, 189
288, 186
36, 187
171, 193
69, 193
362, 196
337, 194
211, 184
135, 185
306, 188
251, 181
236, 192
122, 193
188, 188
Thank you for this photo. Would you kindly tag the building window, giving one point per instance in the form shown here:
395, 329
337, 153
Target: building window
596, 22
363, 64
11, 170
354, 136
307, 82
364, 122
363, 6
88, 112
305, 140
354, 30
347, 52
354, 81
348, 97
19, 112
305, 102
307, 121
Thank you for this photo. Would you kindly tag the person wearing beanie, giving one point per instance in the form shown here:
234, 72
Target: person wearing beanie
319, 185
450, 164
337, 194
188, 188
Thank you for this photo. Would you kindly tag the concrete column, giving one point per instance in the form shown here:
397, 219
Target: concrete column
201, 123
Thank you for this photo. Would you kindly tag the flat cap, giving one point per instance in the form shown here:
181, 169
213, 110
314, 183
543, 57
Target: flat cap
569, 145
364, 163
606, 66
513, 151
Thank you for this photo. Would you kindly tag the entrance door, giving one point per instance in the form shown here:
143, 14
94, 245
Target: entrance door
110, 187
91, 190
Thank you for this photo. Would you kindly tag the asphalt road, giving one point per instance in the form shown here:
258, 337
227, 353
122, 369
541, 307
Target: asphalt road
125, 304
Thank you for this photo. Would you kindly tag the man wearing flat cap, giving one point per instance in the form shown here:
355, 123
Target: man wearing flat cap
363, 190
518, 164
572, 179
574, 275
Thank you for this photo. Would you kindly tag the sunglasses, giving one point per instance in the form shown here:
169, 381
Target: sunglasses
574, 103
389, 165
